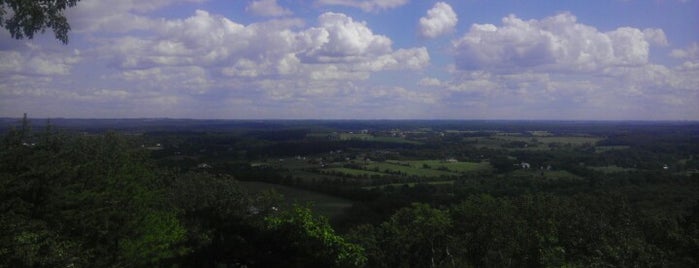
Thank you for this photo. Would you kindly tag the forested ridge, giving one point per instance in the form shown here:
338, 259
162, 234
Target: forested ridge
72, 199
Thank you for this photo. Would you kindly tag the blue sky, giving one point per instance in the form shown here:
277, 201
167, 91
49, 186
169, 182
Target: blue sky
361, 59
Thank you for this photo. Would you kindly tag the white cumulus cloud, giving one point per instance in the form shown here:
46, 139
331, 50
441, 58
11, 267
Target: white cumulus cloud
440, 20
365, 5
259, 55
268, 8
340, 38
689, 53
558, 42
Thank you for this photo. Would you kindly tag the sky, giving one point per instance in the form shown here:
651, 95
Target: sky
361, 59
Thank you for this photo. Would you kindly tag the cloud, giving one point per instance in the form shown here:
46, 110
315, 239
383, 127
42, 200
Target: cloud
557, 42
277, 63
32, 60
655, 36
269, 8
365, 5
341, 39
689, 53
541, 66
97, 16
440, 20
206, 65
429, 82
337, 48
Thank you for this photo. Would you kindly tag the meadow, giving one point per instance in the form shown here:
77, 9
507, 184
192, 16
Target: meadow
323, 204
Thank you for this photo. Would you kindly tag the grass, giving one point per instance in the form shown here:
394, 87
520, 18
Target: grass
540, 133
551, 175
460, 167
533, 143
394, 140
363, 137
406, 170
612, 169
355, 172
355, 136
409, 184
572, 140
326, 205
606, 148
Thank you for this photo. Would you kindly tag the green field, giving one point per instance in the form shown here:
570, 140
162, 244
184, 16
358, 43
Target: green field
355, 172
551, 175
572, 140
612, 169
532, 143
409, 184
460, 167
355, 136
322, 204
606, 148
406, 170
540, 133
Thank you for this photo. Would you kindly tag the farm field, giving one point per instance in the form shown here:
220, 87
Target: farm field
409, 184
354, 172
550, 175
516, 142
606, 148
407, 170
459, 167
572, 140
612, 169
322, 204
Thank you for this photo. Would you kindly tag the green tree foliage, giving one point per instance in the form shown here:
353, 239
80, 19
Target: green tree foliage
217, 213
584, 230
415, 236
301, 239
81, 201
500, 232
24, 18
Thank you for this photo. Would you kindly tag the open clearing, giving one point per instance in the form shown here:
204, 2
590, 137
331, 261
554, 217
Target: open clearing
354, 172
406, 170
612, 169
460, 167
326, 205
409, 184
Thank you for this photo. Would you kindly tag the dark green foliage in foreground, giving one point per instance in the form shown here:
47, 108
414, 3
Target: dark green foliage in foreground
74, 201
597, 230
415, 236
304, 240
94, 201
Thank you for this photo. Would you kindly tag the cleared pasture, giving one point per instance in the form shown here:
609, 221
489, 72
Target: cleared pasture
612, 169
460, 167
409, 184
322, 204
354, 172
407, 170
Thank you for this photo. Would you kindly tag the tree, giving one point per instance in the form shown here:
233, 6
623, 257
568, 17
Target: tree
415, 236
300, 239
81, 201
24, 18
